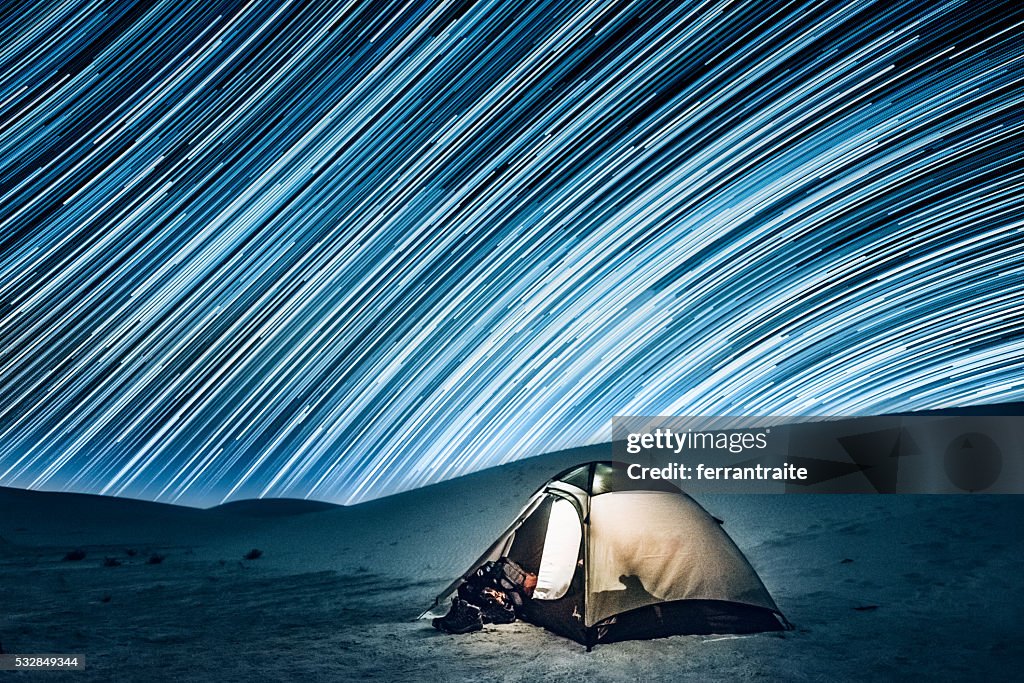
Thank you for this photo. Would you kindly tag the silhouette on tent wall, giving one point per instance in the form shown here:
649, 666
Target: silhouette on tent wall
633, 593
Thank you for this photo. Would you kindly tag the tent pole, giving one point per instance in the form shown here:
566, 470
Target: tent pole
586, 559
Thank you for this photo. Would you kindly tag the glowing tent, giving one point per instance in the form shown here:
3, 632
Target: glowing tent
618, 559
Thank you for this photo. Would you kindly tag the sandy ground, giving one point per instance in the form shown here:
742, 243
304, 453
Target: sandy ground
879, 588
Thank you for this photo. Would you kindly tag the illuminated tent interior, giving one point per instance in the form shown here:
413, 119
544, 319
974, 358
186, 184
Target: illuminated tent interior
618, 559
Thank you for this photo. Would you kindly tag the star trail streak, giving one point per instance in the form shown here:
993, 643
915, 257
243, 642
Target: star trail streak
340, 249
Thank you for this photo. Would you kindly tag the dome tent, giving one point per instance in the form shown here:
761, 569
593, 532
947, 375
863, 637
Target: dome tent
621, 559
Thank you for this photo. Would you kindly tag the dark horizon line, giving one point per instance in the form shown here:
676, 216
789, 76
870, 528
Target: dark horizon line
1012, 409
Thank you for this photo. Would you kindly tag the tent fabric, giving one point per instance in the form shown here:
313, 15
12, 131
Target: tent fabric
648, 547
618, 561
691, 617
561, 548
528, 540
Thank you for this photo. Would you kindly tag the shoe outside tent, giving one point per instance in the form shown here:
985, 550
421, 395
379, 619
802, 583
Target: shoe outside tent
620, 559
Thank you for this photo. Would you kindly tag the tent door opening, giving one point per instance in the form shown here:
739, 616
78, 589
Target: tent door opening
560, 551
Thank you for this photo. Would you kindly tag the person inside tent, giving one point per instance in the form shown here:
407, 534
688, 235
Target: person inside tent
493, 594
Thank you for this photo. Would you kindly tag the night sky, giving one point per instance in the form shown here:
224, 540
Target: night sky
338, 249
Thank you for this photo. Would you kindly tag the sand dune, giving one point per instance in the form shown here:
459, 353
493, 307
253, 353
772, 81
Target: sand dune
273, 507
878, 586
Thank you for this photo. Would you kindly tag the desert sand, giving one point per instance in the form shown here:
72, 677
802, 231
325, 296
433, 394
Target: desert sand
878, 587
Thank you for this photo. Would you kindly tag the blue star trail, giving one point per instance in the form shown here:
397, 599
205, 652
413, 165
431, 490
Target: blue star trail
340, 249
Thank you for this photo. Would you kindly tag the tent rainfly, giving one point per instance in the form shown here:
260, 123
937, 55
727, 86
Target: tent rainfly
619, 559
